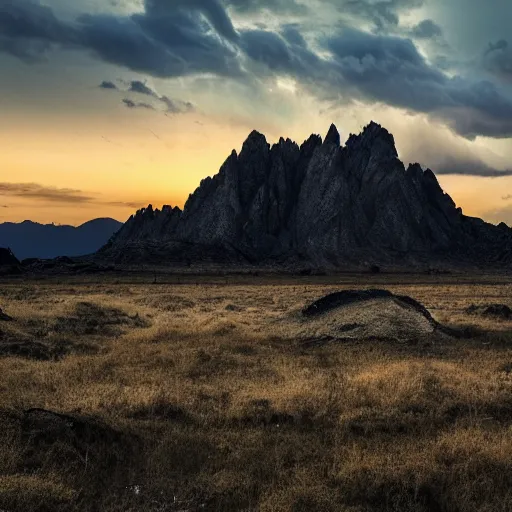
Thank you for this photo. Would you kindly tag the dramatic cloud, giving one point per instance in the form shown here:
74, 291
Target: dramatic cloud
40, 192
269, 48
470, 167
391, 70
170, 38
386, 69
213, 10
28, 30
179, 38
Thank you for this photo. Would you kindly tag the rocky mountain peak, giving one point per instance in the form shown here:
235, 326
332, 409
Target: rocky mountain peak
309, 145
333, 136
376, 139
415, 171
255, 142
319, 204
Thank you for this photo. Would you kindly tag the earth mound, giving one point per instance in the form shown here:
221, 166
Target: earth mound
367, 315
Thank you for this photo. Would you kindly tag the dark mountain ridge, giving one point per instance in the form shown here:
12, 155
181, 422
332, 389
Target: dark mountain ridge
32, 240
320, 203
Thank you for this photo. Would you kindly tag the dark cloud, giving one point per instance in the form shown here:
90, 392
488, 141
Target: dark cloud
108, 85
287, 52
391, 70
141, 88
383, 14
293, 7
172, 38
28, 30
508, 197
386, 69
267, 47
498, 60
132, 104
427, 29
469, 167
172, 106
212, 10
40, 192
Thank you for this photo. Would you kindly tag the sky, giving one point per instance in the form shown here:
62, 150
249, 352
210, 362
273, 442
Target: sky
109, 105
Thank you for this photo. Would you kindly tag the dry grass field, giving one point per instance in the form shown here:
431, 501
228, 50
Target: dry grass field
201, 396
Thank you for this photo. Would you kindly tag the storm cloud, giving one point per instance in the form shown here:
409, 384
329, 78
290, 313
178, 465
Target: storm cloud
180, 38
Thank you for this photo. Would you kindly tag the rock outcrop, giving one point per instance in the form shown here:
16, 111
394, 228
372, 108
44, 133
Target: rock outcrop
321, 204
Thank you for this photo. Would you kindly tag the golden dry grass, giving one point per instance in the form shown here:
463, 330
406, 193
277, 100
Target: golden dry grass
216, 405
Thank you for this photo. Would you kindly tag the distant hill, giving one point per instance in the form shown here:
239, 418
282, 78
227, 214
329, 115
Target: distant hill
32, 240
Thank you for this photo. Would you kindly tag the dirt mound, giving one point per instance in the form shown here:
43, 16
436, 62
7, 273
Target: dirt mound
367, 315
498, 311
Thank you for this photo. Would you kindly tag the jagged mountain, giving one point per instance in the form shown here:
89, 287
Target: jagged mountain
320, 203
32, 240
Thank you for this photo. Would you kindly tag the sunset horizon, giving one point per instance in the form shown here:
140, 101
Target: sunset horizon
105, 113
52, 204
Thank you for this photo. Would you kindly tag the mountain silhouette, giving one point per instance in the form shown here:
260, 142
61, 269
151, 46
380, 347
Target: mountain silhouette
321, 203
32, 240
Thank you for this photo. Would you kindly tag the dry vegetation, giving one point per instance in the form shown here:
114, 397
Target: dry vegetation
200, 397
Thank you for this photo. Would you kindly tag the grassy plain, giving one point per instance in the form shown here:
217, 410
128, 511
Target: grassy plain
206, 400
